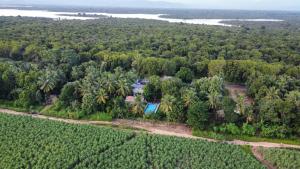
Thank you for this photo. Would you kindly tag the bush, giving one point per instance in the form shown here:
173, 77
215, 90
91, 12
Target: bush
198, 115
229, 107
155, 116
248, 130
69, 93
275, 131
178, 114
185, 74
230, 128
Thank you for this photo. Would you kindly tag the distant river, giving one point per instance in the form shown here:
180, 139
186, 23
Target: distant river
74, 15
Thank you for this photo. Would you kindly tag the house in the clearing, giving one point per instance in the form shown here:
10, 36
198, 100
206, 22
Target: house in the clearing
137, 89
138, 86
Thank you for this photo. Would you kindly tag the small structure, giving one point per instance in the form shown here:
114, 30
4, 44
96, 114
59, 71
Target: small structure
151, 108
137, 89
130, 99
138, 86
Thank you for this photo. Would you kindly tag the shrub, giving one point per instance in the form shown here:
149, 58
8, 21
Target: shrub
274, 131
229, 128
198, 115
185, 74
229, 107
248, 130
232, 129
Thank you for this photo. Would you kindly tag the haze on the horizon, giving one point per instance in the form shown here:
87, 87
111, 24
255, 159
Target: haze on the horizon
199, 4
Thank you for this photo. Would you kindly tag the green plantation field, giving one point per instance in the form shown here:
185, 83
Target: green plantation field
32, 143
282, 158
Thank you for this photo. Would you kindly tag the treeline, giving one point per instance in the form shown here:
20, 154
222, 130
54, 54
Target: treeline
90, 67
32, 37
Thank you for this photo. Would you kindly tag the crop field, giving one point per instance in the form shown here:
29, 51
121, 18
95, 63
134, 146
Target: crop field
282, 158
32, 143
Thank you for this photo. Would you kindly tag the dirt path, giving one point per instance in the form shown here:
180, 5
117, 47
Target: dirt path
162, 128
259, 156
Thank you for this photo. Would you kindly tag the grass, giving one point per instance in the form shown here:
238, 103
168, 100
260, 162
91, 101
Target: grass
99, 117
4, 104
222, 137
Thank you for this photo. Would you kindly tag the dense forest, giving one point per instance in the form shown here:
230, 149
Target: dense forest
90, 67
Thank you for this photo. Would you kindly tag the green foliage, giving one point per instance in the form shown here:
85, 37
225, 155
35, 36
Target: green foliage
275, 131
248, 130
100, 117
69, 93
282, 158
229, 128
91, 68
38, 143
229, 109
46, 144
152, 90
168, 104
215, 68
198, 115
171, 86
185, 74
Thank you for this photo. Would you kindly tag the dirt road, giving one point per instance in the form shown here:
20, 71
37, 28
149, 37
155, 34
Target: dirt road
162, 128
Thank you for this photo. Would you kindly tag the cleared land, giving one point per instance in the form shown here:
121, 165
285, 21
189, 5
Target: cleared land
37, 143
238, 90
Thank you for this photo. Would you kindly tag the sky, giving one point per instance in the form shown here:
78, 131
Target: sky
200, 4
241, 4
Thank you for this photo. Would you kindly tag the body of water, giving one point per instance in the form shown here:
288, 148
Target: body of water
74, 15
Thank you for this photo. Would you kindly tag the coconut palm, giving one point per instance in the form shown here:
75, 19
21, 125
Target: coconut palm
110, 85
48, 82
167, 103
214, 100
123, 87
189, 97
103, 67
240, 105
102, 96
272, 94
138, 105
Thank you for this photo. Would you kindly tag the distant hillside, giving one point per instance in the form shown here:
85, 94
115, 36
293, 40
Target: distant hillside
98, 3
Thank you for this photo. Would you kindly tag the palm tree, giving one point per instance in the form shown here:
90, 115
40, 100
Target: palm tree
189, 97
110, 86
48, 81
138, 105
123, 87
167, 103
102, 96
272, 94
240, 105
47, 84
103, 67
214, 100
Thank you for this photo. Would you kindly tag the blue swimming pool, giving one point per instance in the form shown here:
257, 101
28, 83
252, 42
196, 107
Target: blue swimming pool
151, 108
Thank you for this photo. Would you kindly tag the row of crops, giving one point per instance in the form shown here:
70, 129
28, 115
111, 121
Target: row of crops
33, 143
282, 158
